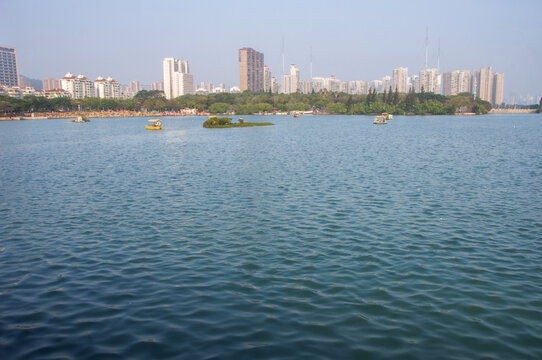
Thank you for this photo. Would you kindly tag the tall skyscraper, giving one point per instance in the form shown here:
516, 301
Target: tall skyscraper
177, 78
498, 87
266, 79
456, 82
9, 70
400, 79
483, 84
429, 81
251, 70
294, 79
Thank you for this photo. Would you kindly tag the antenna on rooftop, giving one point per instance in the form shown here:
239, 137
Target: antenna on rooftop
311, 61
426, 45
283, 69
438, 57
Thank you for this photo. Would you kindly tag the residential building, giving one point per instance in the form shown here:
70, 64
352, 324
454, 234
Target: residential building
275, 86
51, 84
294, 79
78, 87
107, 88
304, 87
159, 85
9, 70
251, 63
498, 88
134, 87
482, 84
286, 84
400, 79
429, 81
266, 79
456, 82
386, 83
177, 78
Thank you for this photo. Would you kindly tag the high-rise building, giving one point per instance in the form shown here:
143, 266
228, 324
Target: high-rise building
251, 70
400, 79
482, 84
275, 86
456, 82
51, 84
159, 85
386, 83
286, 84
498, 87
177, 78
134, 86
429, 81
294, 79
9, 70
266, 79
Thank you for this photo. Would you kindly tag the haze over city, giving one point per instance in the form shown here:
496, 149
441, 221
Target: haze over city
352, 40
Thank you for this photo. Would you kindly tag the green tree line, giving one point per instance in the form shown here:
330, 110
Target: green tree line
254, 102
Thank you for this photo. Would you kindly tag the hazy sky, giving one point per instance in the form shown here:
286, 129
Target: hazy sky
353, 40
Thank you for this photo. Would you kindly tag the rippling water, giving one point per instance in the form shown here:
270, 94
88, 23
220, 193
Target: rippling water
320, 237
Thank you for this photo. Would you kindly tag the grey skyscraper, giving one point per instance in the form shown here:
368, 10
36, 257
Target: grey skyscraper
9, 71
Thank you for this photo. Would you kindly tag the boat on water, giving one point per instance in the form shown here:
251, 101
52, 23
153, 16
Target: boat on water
379, 120
156, 125
387, 116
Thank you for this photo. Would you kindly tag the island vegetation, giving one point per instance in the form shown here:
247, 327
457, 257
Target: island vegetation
224, 122
322, 102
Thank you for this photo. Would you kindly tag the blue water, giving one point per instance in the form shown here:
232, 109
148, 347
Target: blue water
319, 237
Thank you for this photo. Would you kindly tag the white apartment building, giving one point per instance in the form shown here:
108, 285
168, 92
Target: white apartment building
266, 79
78, 86
107, 88
400, 80
177, 79
429, 81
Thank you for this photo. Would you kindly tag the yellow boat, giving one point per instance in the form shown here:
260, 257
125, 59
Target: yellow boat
387, 116
380, 120
156, 125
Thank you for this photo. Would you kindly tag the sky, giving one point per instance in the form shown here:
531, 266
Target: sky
353, 40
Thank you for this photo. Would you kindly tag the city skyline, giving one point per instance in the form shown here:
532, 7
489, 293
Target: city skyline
369, 43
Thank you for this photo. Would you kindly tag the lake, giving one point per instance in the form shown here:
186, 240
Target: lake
320, 237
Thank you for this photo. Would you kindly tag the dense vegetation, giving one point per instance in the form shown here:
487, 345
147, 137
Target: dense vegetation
216, 122
250, 103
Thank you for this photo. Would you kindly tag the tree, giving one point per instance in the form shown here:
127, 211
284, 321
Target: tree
395, 100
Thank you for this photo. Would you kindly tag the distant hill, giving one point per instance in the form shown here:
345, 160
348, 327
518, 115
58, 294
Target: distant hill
36, 83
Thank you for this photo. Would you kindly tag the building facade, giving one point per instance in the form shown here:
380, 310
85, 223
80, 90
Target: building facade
9, 69
400, 79
78, 86
251, 74
429, 81
107, 88
51, 84
266, 79
482, 84
498, 88
177, 78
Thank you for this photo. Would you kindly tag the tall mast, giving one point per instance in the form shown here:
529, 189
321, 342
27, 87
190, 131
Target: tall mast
438, 57
311, 61
283, 69
426, 45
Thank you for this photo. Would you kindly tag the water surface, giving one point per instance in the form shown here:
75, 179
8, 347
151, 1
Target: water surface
319, 237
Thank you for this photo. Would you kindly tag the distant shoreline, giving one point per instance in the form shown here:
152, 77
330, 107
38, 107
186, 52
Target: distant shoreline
115, 114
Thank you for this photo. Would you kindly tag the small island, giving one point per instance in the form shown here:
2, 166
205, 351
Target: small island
216, 122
